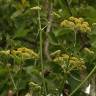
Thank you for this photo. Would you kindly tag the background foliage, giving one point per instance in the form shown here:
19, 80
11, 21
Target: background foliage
35, 25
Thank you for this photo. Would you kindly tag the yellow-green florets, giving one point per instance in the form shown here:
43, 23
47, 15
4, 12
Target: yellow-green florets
76, 24
23, 52
72, 61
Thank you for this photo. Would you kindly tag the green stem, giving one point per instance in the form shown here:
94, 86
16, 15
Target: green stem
72, 68
75, 38
89, 75
41, 50
75, 78
63, 82
11, 77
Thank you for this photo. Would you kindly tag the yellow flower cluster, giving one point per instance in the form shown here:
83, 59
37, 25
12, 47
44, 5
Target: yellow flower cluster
21, 52
7, 52
77, 62
61, 58
76, 24
88, 51
72, 61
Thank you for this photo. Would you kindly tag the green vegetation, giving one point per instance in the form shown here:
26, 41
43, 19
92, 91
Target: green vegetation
47, 47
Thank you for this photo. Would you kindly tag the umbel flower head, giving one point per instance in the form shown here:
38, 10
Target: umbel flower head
23, 52
71, 61
79, 63
76, 24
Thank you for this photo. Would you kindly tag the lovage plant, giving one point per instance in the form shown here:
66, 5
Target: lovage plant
47, 47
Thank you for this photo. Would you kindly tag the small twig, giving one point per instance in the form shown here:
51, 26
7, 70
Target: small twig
75, 78
44, 27
75, 38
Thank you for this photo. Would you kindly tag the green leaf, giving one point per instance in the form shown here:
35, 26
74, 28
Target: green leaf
61, 31
21, 32
16, 14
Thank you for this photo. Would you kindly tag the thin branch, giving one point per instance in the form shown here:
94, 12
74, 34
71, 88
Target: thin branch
75, 78
50, 19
